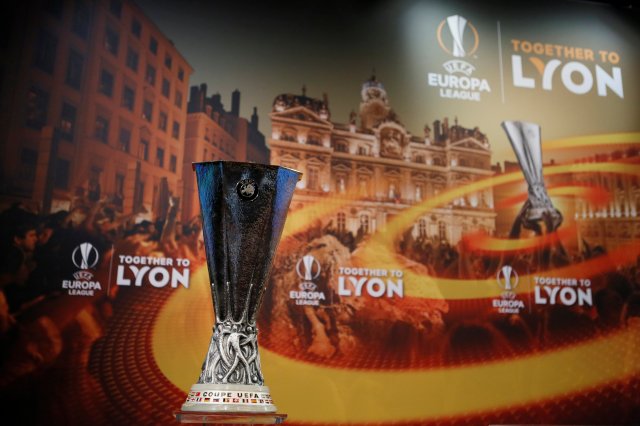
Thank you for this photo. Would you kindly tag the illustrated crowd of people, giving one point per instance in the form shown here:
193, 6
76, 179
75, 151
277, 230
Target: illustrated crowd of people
37, 256
490, 335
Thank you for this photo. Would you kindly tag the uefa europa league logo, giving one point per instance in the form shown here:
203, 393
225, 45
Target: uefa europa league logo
85, 256
507, 278
526, 143
244, 207
457, 26
310, 266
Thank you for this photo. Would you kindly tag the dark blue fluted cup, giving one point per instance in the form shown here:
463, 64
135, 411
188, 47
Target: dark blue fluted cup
244, 207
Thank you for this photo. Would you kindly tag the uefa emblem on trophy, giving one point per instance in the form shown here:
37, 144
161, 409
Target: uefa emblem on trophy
244, 207
526, 143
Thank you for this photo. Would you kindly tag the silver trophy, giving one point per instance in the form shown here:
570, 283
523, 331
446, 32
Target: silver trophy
243, 213
526, 143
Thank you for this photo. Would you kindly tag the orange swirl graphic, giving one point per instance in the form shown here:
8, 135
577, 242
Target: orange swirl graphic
594, 195
305, 389
592, 141
487, 244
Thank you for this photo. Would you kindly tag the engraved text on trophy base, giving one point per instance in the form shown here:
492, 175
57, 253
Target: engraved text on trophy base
216, 398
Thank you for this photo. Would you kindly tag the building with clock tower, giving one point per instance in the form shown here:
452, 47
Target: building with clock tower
373, 167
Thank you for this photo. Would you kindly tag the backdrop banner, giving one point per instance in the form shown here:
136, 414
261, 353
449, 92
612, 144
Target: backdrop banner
463, 247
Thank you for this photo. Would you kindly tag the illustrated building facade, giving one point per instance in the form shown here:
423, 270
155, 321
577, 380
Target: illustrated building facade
380, 167
94, 105
216, 134
615, 221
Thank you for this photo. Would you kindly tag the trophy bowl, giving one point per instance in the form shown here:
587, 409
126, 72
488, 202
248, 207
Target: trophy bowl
244, 207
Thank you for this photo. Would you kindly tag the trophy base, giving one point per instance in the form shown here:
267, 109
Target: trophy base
227, 398
537, 214
230, 418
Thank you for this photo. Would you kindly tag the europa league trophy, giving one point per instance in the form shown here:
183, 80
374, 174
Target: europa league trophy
525, 140
244, 207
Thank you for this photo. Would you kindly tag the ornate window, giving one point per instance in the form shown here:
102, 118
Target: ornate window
394, 193
342, 222
364, 223
312, 179
341, 185
442, 231
341, 146
363, 186
422, 228
288, 135
314, 139
419, 191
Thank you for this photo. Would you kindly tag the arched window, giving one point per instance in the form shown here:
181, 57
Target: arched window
364, 223
341, 185
363, 186
422, 228
442, 231
312, 178
393, 191
419, 192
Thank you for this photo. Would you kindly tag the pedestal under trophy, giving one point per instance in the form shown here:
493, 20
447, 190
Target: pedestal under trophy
244, 207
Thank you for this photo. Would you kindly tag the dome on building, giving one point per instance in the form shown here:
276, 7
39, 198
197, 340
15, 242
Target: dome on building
372, 89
